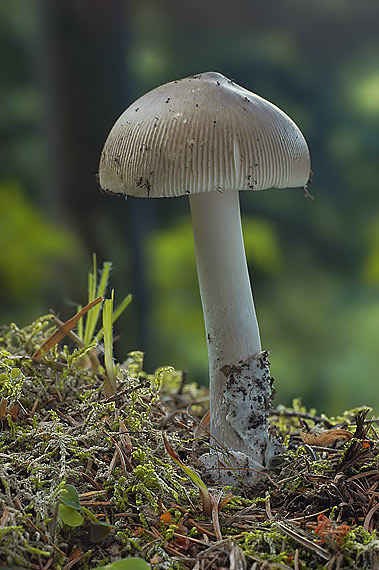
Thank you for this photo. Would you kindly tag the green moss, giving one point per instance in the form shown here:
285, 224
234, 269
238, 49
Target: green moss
71, 437
361, 548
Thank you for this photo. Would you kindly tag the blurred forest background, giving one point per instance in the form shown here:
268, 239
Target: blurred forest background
69, 68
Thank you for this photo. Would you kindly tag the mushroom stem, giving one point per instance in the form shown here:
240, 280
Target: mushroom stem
229, 314
238, 371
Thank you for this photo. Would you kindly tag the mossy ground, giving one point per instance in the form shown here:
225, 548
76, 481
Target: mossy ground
317, 507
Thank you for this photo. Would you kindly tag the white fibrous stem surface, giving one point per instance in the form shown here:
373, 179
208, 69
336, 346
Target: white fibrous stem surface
242, 418
239, 374
245, 404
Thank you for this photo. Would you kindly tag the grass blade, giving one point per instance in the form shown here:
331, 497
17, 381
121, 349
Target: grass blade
118, 311
94, 315
196, 480
91, 296
80, 329
108, 344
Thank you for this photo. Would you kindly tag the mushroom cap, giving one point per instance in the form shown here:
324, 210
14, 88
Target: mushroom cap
199, 134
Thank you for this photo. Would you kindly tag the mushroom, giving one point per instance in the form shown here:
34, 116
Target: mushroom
206, 137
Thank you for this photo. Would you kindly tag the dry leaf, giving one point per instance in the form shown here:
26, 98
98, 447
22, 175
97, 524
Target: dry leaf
326, 438
166, 518
64, 329
13, 410
3, 408
201, 429
156, 559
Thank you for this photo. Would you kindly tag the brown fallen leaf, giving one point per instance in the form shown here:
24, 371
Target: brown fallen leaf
3, 408
326, 438
157, 559
64, 329
12, 410
202, 429
166, 518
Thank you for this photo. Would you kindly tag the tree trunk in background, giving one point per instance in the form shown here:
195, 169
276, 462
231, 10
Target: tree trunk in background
82, 62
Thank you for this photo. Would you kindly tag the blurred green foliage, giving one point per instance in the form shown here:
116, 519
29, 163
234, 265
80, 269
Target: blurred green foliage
31, 248
29, 242
177, 306
370, 268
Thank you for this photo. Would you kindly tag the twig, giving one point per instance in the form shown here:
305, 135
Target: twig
304, 541
201, 528
4, 516
72, 562
268, 507
34, 527
293, 414
296, 560
370, 514
304, 517
215, 518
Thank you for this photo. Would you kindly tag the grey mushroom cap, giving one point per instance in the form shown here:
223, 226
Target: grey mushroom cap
200, 134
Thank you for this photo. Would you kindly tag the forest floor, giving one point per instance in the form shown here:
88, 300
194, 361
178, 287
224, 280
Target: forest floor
87, 479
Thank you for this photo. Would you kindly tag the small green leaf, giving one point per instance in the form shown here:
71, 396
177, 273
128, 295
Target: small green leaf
127, 564
70, 497
98, 531
70, 516
15, 373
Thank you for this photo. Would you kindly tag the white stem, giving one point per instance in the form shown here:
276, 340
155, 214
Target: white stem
234, 347
229, 314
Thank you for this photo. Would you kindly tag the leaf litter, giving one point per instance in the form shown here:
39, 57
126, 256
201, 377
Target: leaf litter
316, 508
